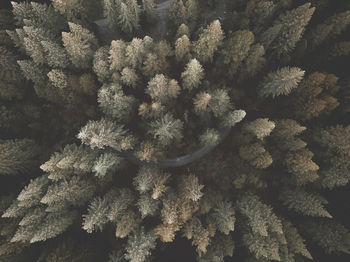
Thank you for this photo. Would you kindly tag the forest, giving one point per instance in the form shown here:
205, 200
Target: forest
175, 130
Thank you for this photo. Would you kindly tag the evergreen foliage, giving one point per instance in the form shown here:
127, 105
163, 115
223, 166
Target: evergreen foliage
142, 122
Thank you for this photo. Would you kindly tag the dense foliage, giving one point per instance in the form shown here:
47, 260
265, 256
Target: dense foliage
99, 99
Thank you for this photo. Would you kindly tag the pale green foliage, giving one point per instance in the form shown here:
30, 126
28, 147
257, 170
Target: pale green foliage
190, 187
193, 74
32, 43
224, 216
292, 27
106, 164
101, 64
33, 192
210, 137
32, 216
14, 210
18, 156
97, 215
305, 203
295, 242
73, 159
260, 128
58, 78
262, 247
151, 179
80, 44
265, 229
76, 191
117, 53
145, 177
161, 89
33, 72
232, 118
139, 245
166, 130
209, 41
114, 103
259, 216
53, 225
121, 200
129, 77
147, 205
122, 14
38, 15
335, 153
182, 30
281, 81
55, 55
182, 49
134, 52
219, 102
105, 133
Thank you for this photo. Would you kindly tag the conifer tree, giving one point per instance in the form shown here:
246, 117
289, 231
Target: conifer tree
193, 74
305, 203
149, 7
292, 27
208, 42
139, 245
281, 82
80, 44
167, 130
182, 49
105, 133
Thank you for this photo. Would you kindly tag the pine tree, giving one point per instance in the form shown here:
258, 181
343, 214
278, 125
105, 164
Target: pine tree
117, 57
80, 44
314, 96
162, 89
305, 203
167, 130
139, 245
260, 127
281, 82
105, 133
210, 137
101, 65
129, 77
56, 55
208, 42
115, 103
224, 216
190, 188
97, 215
149, 7
334, 155
193, 74
292, 27
182, 49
